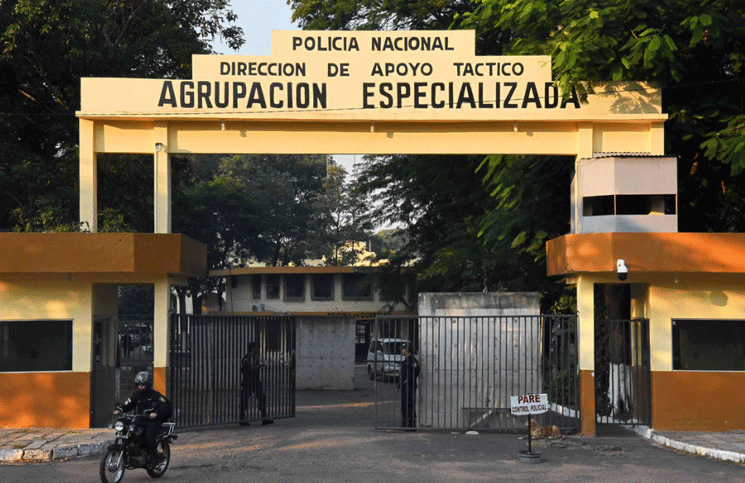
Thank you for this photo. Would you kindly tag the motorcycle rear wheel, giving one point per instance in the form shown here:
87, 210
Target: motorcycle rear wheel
164, 458
112, 466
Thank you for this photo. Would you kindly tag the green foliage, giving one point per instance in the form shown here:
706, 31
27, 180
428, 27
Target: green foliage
275, 209
443, 204
136, 300
261, 208
46, 47
376, 15
728, 145
125, 192
563, 388
385, 243
337, 221
691, 49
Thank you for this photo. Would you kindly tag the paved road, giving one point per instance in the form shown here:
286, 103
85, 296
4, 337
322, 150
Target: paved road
332, 440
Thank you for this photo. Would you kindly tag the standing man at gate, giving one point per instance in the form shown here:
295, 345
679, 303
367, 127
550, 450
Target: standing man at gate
407, 382
251, 365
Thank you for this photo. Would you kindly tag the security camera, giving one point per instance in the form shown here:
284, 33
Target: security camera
623, 272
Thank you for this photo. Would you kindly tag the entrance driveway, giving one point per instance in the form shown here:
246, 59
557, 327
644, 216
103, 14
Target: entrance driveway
332, 440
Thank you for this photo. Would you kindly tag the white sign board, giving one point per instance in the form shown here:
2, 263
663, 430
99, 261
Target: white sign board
529, 404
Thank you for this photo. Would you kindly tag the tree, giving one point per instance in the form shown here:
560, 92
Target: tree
339, 221
288, 187
692, 50
46, 46
389, 15
248, 209
376, 15
441, 202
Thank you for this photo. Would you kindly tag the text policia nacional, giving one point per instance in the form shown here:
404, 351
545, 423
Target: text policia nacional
420, 90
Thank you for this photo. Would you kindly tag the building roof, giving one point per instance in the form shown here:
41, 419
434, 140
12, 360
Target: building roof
715, 253
631, 155
259, 270
101, 254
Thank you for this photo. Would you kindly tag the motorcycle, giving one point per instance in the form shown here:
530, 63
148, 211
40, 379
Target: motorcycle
129, 451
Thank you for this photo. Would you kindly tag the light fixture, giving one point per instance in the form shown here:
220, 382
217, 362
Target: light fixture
514, 126
372, 126
223, 125
159, 147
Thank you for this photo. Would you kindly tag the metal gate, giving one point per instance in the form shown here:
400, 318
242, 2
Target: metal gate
623, 389
122, 347
228, 369
470, 366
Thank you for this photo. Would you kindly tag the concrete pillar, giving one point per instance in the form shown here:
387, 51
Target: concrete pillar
161, 322
88, 177
585, 133
657, 138
162, 179
586, 342
585, 141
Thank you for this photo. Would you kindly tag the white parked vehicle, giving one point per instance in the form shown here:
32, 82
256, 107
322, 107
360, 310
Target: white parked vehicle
384, 358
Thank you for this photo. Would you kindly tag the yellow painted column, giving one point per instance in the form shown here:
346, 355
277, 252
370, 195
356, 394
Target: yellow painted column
88, 177
162, 179
657, 138
586, 342
161, 323
585, 133
82, 336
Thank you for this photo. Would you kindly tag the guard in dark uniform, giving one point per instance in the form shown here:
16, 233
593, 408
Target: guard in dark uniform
251, 365
407, 381
147, 398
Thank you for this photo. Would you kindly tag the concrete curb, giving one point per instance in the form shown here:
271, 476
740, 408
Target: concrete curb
712, 453
58, 452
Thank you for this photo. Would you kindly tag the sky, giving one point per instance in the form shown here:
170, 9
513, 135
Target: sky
258, 18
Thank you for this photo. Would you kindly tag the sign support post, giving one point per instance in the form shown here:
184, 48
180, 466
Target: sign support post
528, 405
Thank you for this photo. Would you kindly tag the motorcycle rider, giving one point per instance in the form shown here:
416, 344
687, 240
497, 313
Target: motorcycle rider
147, 398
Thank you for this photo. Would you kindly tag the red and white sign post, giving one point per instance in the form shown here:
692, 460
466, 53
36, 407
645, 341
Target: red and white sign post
529, 404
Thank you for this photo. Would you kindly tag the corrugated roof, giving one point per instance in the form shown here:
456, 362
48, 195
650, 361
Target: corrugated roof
633, 155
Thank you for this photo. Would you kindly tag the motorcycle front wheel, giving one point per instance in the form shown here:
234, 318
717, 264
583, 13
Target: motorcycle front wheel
164, 458
112, 466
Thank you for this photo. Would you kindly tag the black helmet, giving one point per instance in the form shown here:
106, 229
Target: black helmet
143, 379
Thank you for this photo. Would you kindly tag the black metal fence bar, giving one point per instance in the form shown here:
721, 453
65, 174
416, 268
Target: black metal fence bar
623, 372
471, 366
206, 383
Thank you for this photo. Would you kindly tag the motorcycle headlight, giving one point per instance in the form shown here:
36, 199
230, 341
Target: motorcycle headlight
119, 426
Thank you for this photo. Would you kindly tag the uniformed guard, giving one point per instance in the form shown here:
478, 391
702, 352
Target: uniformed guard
147, 398
251, 384
407, 381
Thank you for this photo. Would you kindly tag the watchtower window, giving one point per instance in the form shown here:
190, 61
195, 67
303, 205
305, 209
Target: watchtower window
598, 206
629, 205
